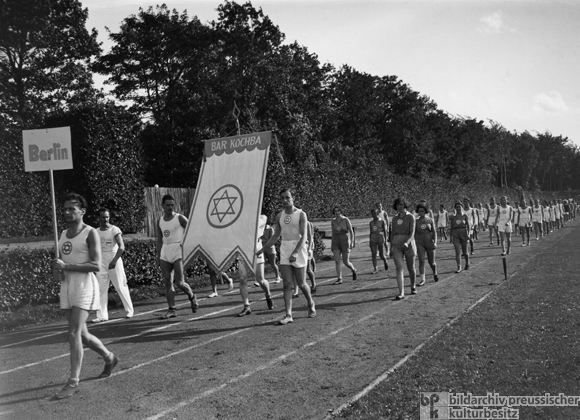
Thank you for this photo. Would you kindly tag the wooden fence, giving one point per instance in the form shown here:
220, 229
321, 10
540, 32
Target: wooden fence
183, 199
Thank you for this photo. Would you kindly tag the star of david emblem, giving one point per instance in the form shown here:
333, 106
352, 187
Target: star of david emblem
399, 222
225, 206
166, 233
287, 219
374, 228
67, 248
423, 227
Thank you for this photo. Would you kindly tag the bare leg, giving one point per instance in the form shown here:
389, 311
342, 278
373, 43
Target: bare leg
167, 271
337, 266
288, 280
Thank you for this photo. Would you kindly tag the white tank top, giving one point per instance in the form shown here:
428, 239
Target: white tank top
524, 214
546, 213
505, 214
75, 251
537, 215
290, 225
172, 230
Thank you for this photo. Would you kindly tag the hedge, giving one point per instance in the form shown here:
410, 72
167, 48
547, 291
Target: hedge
26, 274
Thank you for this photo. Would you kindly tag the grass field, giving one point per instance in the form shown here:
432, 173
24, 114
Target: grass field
523, 340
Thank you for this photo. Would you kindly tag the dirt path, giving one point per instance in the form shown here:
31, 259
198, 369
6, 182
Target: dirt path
215, 365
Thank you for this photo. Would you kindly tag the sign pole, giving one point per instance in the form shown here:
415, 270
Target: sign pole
54, 224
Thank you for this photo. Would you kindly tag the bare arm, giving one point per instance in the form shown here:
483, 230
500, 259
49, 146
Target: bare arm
182, 221
351, 233
274, 238
303, 232
120, 251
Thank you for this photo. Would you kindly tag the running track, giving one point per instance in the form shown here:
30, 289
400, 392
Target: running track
214, 365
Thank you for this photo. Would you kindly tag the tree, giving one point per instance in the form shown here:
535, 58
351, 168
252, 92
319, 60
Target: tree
108, 161
45, 51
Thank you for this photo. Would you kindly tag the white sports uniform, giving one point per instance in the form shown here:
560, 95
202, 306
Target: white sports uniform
290, 233
115, 275
172, 236
261, 227
492, 215
524, 216
504, 222
77, 289
547, 214
442, 219
537, 214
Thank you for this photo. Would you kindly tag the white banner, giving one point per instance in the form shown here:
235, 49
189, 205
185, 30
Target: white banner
224, 214
48, 148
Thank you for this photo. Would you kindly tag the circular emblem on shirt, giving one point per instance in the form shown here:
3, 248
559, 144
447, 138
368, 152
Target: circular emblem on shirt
374, 229
504, 211
166, 233
287, 219
423, 227
225, 206
67, 248
458, 222
399, 222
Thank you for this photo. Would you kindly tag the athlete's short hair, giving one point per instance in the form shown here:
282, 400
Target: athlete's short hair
167, 197
335, 208
400, 200
283, 190
72, 196
422, 206
103, 209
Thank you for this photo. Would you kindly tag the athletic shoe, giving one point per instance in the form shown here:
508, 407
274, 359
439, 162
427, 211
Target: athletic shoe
212, 295
171, 313
269, 302
471, 253
129, 315
386, 266
97, 320
503, 254
257, 284
295, 295
338, 281
435, 277
458, 270
194, 304
109, 367
69, 389
466, 267
245, 311
491, 244
312, 310
509, 252
523, 244
400, 297
278, 280
313, 289
286, 320
375, 271
528, 244
353, 275
422, 283
413, 291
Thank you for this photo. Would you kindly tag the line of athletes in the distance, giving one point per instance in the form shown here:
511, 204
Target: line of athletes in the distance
91, 258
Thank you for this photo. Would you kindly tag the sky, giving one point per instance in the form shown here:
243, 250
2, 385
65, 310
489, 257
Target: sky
514, 62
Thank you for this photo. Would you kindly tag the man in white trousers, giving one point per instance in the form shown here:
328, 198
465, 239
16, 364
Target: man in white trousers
112, 270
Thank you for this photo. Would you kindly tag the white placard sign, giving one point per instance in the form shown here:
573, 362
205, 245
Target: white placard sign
46, 149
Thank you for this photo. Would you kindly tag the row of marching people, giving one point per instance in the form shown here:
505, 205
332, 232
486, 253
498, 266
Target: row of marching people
407, 236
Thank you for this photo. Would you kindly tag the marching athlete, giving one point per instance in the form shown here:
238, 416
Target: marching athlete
426, 240
292, 226
170, 230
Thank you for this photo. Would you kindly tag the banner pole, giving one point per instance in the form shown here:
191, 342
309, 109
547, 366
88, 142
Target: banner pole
54, 225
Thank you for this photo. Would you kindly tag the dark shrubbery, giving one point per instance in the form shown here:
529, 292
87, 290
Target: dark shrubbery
26, 274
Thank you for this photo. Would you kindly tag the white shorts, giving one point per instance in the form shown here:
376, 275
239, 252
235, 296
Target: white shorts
504, 227
171, 252
80, 290
286, 249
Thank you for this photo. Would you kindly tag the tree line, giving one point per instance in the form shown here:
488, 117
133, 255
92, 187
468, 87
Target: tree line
176, 81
